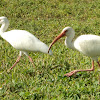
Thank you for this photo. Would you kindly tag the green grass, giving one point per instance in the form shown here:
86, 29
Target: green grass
46, 19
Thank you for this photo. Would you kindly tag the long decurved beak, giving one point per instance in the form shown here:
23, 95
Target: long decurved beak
57, 38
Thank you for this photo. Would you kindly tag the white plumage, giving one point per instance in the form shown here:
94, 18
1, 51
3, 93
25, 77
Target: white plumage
22, 40
86, 44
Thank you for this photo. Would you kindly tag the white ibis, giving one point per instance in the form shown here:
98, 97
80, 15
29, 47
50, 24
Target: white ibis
86, 44
21, 40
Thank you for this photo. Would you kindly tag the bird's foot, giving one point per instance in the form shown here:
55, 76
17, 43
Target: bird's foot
70, 73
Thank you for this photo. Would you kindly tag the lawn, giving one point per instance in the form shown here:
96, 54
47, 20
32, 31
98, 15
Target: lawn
46, 19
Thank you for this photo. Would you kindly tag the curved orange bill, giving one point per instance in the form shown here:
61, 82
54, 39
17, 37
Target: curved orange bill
57, 38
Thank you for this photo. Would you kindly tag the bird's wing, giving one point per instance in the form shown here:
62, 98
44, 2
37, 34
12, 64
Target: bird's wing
25, 41
88, 44
20, 38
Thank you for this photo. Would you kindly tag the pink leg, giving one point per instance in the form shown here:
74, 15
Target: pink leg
75, 71
15, 63
31, 60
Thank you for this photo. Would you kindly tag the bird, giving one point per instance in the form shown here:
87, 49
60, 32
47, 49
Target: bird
87, 44
22, 40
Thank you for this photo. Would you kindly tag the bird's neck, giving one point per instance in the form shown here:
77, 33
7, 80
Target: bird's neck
4, 27
69, 42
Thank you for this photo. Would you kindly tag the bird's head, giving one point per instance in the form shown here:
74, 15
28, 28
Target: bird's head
67, 31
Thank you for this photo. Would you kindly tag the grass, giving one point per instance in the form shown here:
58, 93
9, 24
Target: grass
46, 19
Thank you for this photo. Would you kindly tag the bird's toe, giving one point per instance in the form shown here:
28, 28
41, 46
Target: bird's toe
69, 74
